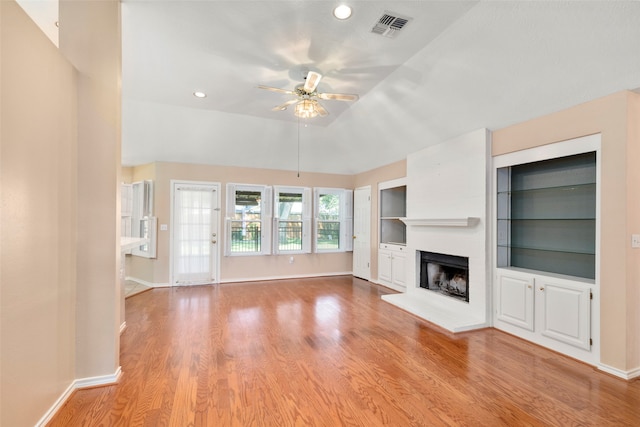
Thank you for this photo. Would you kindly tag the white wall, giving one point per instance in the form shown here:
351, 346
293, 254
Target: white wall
449, 181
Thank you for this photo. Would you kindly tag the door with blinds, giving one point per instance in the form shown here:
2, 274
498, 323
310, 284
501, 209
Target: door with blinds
195, 234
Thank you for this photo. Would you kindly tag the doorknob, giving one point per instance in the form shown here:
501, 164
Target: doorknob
354, 237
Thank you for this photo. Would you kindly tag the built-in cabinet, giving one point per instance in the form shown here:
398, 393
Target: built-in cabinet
546, 239
392, 265
392, 198
545, 308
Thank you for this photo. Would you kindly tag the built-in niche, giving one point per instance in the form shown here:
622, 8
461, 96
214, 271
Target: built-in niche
547, 215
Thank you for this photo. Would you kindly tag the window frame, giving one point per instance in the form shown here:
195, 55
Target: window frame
307, 206
265, 218
345, 218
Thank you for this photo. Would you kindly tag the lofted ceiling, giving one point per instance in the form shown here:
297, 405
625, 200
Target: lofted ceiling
455, 67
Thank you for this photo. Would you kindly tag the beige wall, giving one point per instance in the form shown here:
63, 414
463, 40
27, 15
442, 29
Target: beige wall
238, 268
373, 178
38, 115
633, 227
90, 40
234, 268
616, 117
60, 160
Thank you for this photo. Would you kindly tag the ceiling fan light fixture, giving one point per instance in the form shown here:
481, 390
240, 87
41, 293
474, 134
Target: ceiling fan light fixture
342, 12
199, 94
305, 109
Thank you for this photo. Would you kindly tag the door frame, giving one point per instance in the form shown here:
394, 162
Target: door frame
216, 256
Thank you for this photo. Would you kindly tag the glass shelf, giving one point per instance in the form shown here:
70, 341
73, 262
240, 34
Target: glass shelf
546, 219
564, 251
589, 186
566, 263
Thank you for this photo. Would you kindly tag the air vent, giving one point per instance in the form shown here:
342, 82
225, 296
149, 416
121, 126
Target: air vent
390, 24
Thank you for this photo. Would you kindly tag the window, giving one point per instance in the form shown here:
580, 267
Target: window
334, 219
143, 223
248, 220
292, 220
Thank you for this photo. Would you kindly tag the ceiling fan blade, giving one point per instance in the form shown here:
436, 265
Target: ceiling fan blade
338, 96
275, 89
320, 109
311, 82
284, 106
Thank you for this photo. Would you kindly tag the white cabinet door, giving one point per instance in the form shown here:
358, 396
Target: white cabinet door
516, 300
565, 311
398, 275
384, 266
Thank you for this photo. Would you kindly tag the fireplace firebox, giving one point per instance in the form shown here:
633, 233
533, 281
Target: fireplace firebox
445, 274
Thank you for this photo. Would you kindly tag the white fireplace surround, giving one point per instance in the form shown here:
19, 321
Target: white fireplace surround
447, 211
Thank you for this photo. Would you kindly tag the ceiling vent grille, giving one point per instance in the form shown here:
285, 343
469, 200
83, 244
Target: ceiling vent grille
390, 24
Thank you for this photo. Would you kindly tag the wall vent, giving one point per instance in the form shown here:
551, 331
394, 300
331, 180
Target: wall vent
390, 24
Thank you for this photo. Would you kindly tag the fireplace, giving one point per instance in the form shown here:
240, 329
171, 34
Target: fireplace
445, 274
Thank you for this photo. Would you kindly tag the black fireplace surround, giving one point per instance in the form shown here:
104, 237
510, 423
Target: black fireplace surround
445, 274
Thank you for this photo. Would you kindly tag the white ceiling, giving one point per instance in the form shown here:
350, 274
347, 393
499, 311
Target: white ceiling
456, 67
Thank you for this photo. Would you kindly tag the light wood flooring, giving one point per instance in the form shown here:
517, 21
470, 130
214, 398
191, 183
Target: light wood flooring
329, 352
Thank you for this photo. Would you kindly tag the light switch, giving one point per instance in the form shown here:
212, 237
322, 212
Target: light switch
163, 227
635, 240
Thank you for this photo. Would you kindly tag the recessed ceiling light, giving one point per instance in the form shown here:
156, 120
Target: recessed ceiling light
342, 12
199, 94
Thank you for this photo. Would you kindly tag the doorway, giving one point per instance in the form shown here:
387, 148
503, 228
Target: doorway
195, 218
362, 232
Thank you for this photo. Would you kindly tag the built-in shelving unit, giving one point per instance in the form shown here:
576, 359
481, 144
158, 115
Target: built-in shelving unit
392, 196
393, 207
546, 284
547, 216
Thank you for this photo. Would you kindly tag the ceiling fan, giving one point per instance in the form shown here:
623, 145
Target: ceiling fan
306, 103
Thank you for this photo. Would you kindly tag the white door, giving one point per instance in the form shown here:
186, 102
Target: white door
195, 234
362, 232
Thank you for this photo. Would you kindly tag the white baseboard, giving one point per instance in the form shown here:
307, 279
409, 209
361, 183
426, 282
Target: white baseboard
98, 381
297, 276
48, 416
246, 279
625, 375
390, 286
76, 384
149, 284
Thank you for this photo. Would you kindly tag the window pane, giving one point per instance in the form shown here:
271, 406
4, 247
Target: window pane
328, 235
247, 205
245, 236
329, 207
290, 206
290, 236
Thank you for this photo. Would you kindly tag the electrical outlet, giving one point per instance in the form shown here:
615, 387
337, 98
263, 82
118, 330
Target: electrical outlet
163, 227
635, 240
291, 260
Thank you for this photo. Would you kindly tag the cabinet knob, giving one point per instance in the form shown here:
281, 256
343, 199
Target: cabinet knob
529, 286
541, 288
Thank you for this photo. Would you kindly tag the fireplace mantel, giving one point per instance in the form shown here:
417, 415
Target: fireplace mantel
469, 221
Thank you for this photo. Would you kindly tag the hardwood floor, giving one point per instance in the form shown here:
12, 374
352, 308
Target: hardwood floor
329, 352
